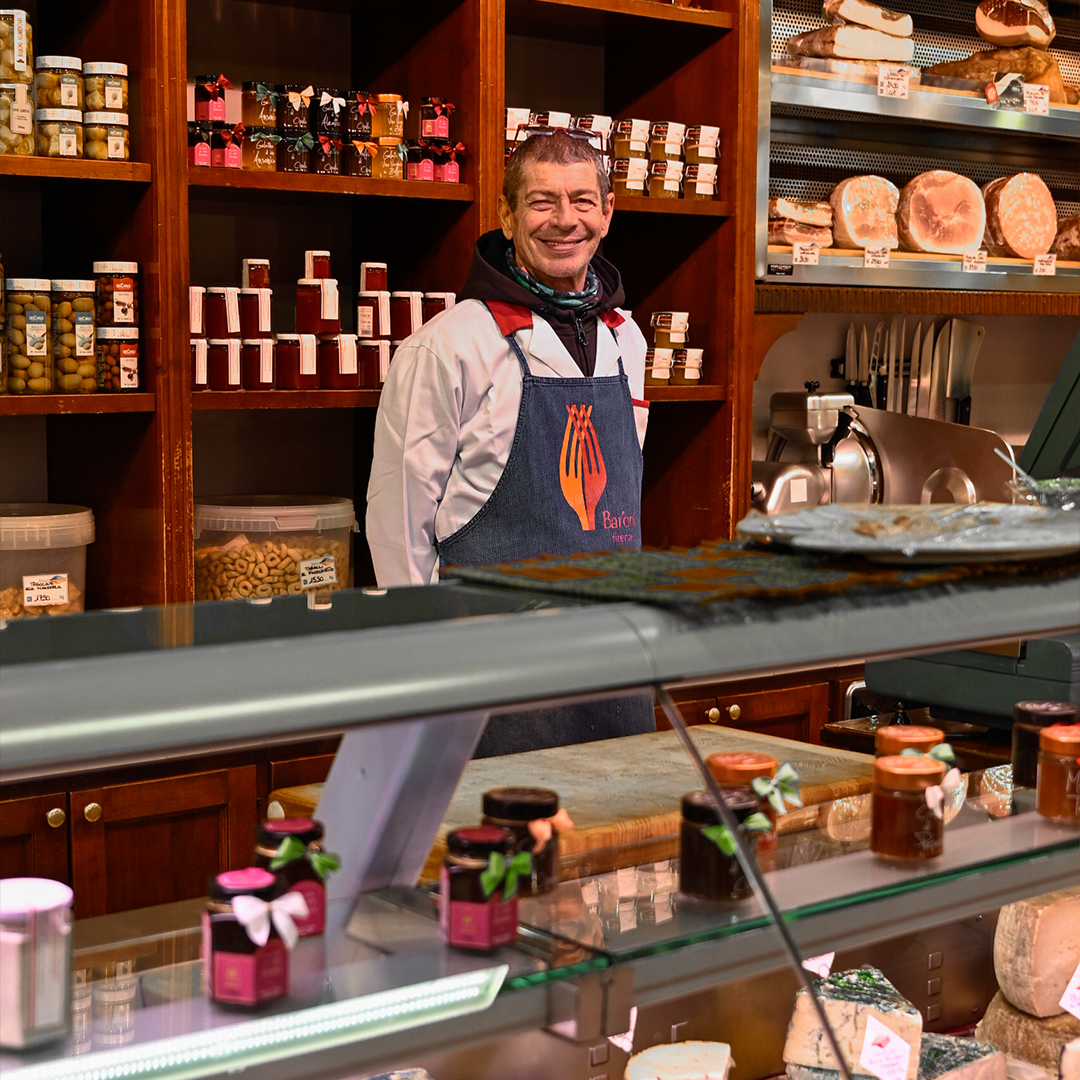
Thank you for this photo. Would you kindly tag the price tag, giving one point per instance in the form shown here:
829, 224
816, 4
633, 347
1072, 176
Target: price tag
821, 966
317, 572
804, 254
266, 360
69, 145
1070, 1000
884, 1053
876, 258
22, 113
116, 147
1045, 265
1037, 99
44, 590
975, 262
893, 80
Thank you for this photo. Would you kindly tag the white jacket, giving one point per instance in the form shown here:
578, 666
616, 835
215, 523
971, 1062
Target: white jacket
446, 422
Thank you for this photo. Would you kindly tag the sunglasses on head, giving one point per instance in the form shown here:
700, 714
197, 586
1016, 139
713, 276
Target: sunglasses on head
526, 131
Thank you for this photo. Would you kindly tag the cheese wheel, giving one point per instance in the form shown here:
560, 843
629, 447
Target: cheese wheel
1021, 219
1026, 1037
681, 1061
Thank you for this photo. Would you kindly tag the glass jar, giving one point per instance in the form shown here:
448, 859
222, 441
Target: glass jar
903, 825
325, 159
631, 139
254, 313
223, 363
257, 363
105, 87
445, 156
258, 105
294, 100
735, 770
317, 264
297, 875
419, 161
406, 314
16, 119
699, 182
16, 47
373, 314
199, 143
671, 329
658, 366
105, 136
374, 277
117, 293
665, 179
1057, 793
236, 970
389, 162
294, 151
702, 145
198, 363
225, 144
388, 121
258, 150
666, 141
327, 112
435, 118
513, 808
894, 738
222, 311
468, 918
686, 367
210, 93
317, 306
549, 119
602, 125
117, 365
338, 362
255, 273
435, 303
73, 335
58, 82
705, 871
628, 176
295, 362
58, 133
374, 362
357, 157
359, 111
28, 313
1029, 718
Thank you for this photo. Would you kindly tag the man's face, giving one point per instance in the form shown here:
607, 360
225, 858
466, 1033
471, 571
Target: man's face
558, 223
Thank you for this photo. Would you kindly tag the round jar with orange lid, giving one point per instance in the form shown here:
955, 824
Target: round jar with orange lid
896, 738
903, 825
1029, 719
1057, 793
736, 769
388, 120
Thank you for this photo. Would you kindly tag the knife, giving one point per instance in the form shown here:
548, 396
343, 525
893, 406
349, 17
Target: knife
939, 374
898, 371
851, 361
890, 354
913, 372
875, 360
863, 376
926, 363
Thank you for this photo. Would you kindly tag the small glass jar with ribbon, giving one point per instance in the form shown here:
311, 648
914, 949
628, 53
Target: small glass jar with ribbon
435, 113
359, 111
294, 101
292, 848
210, 97
357, 157
533, 817
448, 157
738, 769
326, 156
294, 151
708, 866
258, 105
327, 112
908, 806
389, 162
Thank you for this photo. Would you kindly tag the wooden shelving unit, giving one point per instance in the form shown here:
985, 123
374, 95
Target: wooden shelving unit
284, 399
327, 185
686, 393
75, 169
651, 9
75, 404
691, 208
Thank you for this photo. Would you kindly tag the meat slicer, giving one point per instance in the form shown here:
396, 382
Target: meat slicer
824, 448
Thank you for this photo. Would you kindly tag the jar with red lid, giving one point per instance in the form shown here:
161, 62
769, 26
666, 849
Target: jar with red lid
374, 363
199, 143
419, 161
198, 363
359, 110
294, 151
327, 112
699, 182
628, 176
631, 139
896, 738
435, 115
357, 155
325, 157
221, 307
435, 303
294, 100
225, 142
296, 869
258, 149
665, 179
210, 93
1057, 792
706, 870
373, 277
666, 141
257, 363
255, 273
1029, 718
472, 913
338, 362
406, 314
317, 264
295, 362
258, 105
317, 306
736, 770
255, 312
373, 315
223, 363
702, 145
904, 823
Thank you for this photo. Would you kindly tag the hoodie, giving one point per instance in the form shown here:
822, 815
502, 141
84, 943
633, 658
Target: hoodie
489, 279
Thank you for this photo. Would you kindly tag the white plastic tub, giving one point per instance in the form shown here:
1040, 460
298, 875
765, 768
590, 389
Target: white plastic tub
259, 546
43, 558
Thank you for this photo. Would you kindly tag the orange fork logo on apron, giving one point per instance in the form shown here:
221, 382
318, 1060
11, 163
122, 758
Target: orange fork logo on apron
581, 465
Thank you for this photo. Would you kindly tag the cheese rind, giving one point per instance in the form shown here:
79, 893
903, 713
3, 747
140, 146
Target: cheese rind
690, 1060
1026, 1037
849, 998
852, 43
808, 1072
942, 1057
1037, 949
1069, 1064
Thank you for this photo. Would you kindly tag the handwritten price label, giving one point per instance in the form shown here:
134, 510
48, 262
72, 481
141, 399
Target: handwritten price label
1037, 100
876, 258
1045, 265
893, 80
44, 590
821, 966
1070, 1000
975, 262
317, 572
804, 254
884, 1054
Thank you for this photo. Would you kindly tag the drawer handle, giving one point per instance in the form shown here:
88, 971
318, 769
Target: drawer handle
734, 712
714, 716
56, 817
92, 812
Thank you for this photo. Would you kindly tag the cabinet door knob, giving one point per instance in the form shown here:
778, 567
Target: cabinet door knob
734, 712
92, 812
714, 716
56, 817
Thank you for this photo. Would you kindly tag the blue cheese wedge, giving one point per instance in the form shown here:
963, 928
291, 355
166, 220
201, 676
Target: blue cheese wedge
942, 1057
681, 1061
849, 998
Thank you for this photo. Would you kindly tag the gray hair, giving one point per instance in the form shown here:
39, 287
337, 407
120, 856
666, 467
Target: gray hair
558, 148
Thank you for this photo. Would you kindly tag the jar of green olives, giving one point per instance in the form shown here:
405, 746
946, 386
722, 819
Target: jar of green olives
27, 308
73, 354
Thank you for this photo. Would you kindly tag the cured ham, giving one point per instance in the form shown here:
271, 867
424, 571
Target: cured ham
852, 43
1021, 219
786, 231
869, 15
1038, 68
864, 213
942, 213
1067, 242
1015, 22
819, 213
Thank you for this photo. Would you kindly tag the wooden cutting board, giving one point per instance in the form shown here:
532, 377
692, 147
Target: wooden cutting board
623, 794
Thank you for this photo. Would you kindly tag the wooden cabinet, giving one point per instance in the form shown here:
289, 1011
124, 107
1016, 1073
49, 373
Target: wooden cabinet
292, 772
34, 836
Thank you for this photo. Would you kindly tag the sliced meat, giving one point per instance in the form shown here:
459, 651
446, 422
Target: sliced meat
870, 15
864, 213
852, 43
1015, 22
1021, 219
785, 231
1072, 94
1067, 242
1037, 67
808, 213
942, 213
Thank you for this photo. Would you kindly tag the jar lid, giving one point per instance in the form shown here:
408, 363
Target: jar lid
65, 116
73, 285
1042, 713
286, 337
389, 142
44, 525
740, 767
332, 90
908, 773
480, 841
313, 253
99, 67
27, 895
1060, 738
222, 288
274, 830
896, 737
520, 803
252, 881
670, 170
670, 320
256, 292
117, 333
665, 131
699, 807
255, 343
386, 98
362, 295
632, 127
272, 513
27, 284
196, 288
115, 119
221, 342
372, 266
314, 281
427, 296
116, 268
405, 292
58, 62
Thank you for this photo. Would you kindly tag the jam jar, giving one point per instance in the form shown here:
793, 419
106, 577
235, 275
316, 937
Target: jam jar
58, 82
513, 808
210, 93
665, 179
254, 312
222, 311
628, 176
1057, 794
389, 162
223, 363
658, 367
225, 147
357, 157
435, 303
294, 151
631, 139
105, 87
903, 824
73, 337
374, 278
686, 367
435, 118
258, 105
359, 111
198, 363
255, 273
327, 112
705, 871
236, 970
317, 264
702, 145
298, 874
894, 738
374, 363
469, 919
292, 109
295, 362
699, 182
734, 771
406, 314
1029, 718
419, 161
602, 125
447, 166
670, 328
117, 366
338, 362
373, 315
317, 306
257, 363
666, 141
389, 119
325, 157
258, 150
199, 143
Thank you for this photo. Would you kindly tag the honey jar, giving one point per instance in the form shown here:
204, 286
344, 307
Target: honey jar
255, 312
258, 150
337, 362
374, 363
904, 824
373, 314
895, 738
699, 182
257, 363
389, 162
223, 364
295, 362
317, 306
702, 145
602, 125
1029, 718
628, 176
665, 179
1057, 794
549, 119
221, 307
670, 328
666, 141
658, 367
389, 119
631, 139
258, 105
686, 367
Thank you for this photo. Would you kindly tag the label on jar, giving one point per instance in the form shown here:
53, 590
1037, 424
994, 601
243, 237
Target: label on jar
123, 300
114, 94
43, 590
266, 360
67, 141
384, 360
365, 321
84, 333
200, 155
416, 311
116, 145
421, 170
346, 354
69, 91
317, 572
438, 127
232, 310
264, 310
21, 120
19, 43
129, 366
448, 172
328, 299
195, 315
307, 355
384, 314
36, 344
200, 362
234, 362
231, 157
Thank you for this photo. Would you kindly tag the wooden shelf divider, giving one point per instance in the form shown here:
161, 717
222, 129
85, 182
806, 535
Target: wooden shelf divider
312, 184
686, 393
652, 9
284, 399
693, 207
74, 169
75, 404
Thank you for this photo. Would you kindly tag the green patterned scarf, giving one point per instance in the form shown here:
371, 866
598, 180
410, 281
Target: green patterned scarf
581, 302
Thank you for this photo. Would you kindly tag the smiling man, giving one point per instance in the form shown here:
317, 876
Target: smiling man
511, 425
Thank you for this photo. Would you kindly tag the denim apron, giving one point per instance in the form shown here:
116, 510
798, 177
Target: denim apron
572, 483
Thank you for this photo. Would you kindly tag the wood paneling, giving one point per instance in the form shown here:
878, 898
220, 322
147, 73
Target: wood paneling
29, 845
